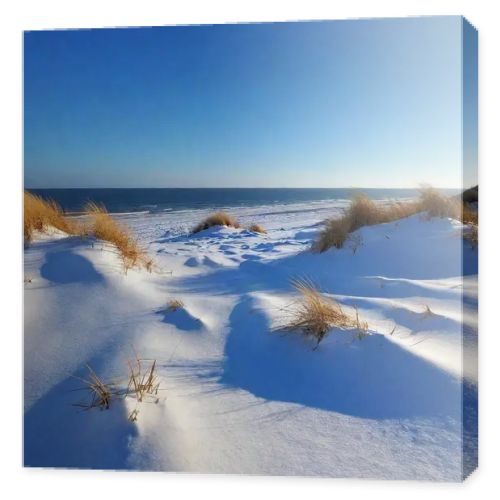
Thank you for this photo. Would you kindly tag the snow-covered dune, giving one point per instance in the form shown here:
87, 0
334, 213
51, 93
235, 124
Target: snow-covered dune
236, 395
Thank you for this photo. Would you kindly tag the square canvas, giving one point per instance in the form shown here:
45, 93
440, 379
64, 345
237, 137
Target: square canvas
253, 248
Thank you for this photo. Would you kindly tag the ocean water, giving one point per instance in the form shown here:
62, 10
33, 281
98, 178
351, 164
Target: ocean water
153, 200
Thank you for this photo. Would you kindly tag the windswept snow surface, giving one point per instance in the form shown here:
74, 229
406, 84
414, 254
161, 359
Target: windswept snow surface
237, 396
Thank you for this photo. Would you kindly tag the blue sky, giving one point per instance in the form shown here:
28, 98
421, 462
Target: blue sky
371, 103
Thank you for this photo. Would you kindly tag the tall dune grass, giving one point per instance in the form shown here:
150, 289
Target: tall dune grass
40, 215
104, 227
365, 212
216, 219
436, 204
362, 212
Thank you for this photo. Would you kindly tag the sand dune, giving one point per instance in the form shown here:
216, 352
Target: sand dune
237, 396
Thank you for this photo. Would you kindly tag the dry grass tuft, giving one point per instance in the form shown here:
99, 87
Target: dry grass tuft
143, 385
437, 204
362, 212
40, 215
174, 305
334, 234
217, 219
316, 314
143, 382
257, 229
100, 393
104, 227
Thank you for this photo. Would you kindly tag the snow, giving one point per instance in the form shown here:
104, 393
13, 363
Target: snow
236, 395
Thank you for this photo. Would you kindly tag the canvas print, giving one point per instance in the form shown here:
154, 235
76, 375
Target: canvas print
253, 248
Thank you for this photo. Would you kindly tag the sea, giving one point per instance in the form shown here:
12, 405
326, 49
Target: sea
154, 200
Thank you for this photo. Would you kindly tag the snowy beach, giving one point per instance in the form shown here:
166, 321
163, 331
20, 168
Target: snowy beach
237, 395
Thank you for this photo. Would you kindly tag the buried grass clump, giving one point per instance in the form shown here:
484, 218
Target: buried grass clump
216, 219
315, 315
105, 228
174, 304
257, 229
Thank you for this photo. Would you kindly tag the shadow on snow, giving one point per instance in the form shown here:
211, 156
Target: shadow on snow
65, 267
181, 319
371, 378
98, 439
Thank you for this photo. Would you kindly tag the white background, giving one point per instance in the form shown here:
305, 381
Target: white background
25, 15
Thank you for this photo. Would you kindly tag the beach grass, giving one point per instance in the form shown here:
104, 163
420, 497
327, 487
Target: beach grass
100, 393
362, 212
315, 315
216, 219
436, 204
142, 382
365, 212
143, 385
40, 215
256, 228
104, 227
174, 304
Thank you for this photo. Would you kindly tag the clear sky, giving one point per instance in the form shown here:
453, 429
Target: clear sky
371, 103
